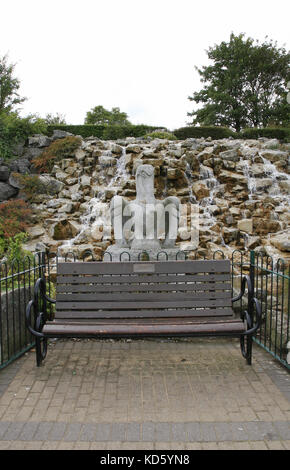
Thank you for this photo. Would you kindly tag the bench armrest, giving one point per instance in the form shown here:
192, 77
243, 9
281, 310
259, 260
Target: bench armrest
39, 294
253, 305
246, 280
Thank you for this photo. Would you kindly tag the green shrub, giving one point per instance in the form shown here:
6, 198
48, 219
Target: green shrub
14, 217
12, 248
105, 132
197, 132
161, 135
56, 151
14, 130
280, 133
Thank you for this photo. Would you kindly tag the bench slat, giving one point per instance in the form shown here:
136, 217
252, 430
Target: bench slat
62, 288
145, 320
117, 314
136, 267
152, 304
146, 329
163, 278
143, 296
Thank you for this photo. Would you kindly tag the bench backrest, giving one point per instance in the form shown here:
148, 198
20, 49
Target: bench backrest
143, 289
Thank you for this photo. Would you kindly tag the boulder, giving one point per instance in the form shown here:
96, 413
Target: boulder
246, 225
63, 230
7, 191
4, 173
35, 232
231, 155
281, 241
229, 177
106, 161
58, 134
53, 186
39, 140
274, 155
200, 190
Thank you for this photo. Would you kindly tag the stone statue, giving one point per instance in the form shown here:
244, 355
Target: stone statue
145, 224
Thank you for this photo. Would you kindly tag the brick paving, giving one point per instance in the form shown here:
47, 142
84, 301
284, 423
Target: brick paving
145, 394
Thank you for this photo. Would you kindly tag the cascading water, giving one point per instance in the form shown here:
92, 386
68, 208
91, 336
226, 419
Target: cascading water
98, 212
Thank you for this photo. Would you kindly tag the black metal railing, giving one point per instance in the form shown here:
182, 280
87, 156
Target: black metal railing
17, 281
271, 280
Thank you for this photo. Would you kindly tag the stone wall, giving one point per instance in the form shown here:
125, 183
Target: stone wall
241, 188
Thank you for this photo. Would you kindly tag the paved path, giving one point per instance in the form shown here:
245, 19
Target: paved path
145, 394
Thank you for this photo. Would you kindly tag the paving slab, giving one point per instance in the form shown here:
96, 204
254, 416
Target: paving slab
145, 394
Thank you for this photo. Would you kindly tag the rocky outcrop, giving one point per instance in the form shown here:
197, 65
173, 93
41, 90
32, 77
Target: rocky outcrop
240, 187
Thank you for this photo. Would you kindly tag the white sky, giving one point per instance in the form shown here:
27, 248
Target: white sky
137, 55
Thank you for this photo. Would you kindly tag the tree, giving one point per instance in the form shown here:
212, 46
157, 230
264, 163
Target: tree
9, 86
100, 115
246, 86
52, 119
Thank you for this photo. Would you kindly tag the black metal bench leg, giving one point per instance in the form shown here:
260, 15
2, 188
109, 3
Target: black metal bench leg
41, 349
246, 347
249, 349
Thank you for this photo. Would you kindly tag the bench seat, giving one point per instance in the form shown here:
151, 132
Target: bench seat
141, 327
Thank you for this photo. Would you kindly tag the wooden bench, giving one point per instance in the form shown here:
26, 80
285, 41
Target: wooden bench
138, 299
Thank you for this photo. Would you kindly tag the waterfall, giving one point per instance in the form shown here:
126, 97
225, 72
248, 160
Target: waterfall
97, 213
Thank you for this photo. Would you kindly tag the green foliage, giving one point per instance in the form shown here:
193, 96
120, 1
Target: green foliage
100, 115
56, 151
204, 131
282, 134
14, 217
58, 118
105, 132
14, 129
246, 86
9, 86
11, 248
161, 135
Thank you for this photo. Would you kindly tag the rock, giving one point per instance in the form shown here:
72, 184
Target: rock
80, 154
262, 184
281, 241
7, 191
106, 161
274, 155
246, 225
200, 190
230, 234
53, 186
230, 177
58, 134
235, 211
68, 207
270, 143
4, 173
35, 232
39, 140
231, 155
133, 148
285, 186
252, 242
63, 230
173, 173
61, 175
85, 180
32, 152
117, 149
